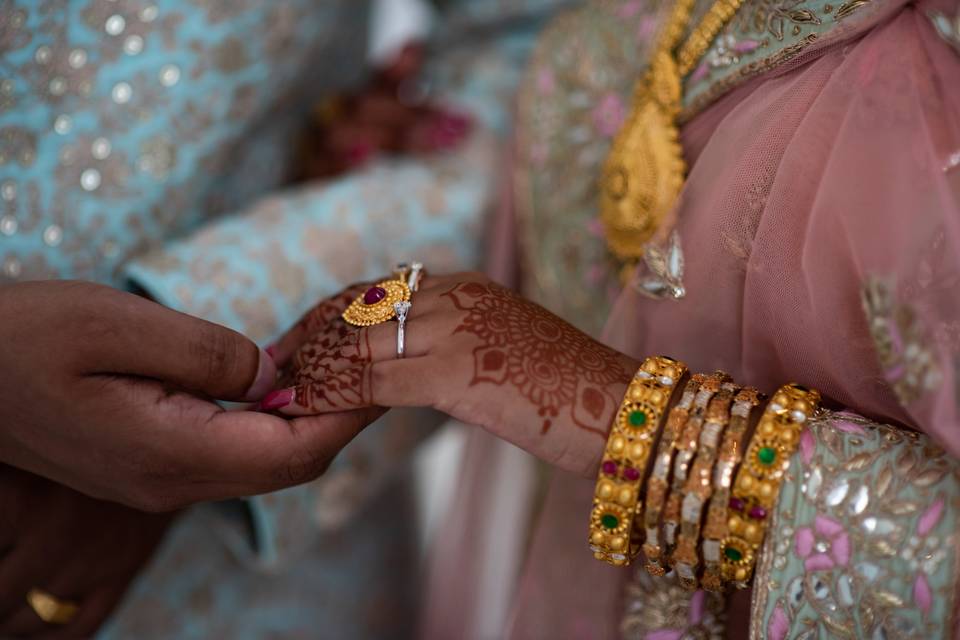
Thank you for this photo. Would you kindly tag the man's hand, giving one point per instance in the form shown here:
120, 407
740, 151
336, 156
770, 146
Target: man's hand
76, 548
106, 393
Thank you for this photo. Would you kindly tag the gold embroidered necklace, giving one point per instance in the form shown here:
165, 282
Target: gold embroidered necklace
645, 170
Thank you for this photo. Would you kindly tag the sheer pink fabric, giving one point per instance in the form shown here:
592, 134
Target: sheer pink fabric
803, 188
811, 189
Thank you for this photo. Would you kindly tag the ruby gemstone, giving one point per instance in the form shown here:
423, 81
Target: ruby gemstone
758, 513
609, 467
736, 504
631, 474
374, 295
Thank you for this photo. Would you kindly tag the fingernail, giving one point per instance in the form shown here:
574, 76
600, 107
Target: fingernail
358, 154
455, 123
276, 400
266, 377
271, 351
442, 140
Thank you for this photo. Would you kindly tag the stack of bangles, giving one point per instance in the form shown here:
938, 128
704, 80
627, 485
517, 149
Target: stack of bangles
388, 300
688, 484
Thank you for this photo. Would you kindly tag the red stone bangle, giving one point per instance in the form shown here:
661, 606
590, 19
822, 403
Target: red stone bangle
757, 485
616, 518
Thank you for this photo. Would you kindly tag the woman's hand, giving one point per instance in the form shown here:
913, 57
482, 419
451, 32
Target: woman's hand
474, 350
73, 547
106, 393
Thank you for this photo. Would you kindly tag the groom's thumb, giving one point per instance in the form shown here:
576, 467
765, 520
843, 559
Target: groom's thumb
156, 342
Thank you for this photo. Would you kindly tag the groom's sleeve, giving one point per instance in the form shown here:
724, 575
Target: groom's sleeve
259, 270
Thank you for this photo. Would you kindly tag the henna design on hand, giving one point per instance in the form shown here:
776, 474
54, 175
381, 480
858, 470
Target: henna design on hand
550, 363
331, 368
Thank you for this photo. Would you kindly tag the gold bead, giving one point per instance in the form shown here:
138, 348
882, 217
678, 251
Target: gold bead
767, 428
626, 497
733, 524
617, 542
780, 399
636, 393
617, 444
598, 555
740, 574
638, 450
745, 483
596, 537
766, 490
656, 396
605, 490
650, 366
788, 436
751, 532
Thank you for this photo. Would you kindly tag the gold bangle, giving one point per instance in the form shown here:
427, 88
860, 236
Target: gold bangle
731, 452
615, 532
686, 448
698, 488
757, 486
658, 483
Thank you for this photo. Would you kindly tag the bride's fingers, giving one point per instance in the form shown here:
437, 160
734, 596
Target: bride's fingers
411, 382
339, 347
342, 347
318, 318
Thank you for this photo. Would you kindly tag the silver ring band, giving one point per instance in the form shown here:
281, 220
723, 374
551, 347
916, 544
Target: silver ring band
416, 273
402, 308
413, 273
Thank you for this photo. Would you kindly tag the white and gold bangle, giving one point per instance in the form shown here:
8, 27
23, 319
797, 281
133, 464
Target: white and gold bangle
659, 482
698, 487
686, 449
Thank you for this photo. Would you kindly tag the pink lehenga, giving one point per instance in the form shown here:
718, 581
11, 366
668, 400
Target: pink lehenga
820, 227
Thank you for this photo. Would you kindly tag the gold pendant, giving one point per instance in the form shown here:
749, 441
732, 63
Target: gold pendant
645, 170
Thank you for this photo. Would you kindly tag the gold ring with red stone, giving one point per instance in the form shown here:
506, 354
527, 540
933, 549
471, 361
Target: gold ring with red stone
376, 304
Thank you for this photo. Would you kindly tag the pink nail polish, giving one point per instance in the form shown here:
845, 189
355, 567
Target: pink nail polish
358, 154
266, 377
272, 352
276, 400
455, 123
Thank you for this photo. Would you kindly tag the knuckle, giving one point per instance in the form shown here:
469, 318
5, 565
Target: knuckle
93, 318
302, 466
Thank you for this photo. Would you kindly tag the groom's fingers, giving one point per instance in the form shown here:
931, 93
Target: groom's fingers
319, 318
257, 448
195, 451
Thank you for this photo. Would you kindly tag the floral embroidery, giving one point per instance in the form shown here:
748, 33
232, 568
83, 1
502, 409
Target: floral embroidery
658, 607
823, 546
906, 356
763, 34
864, 539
